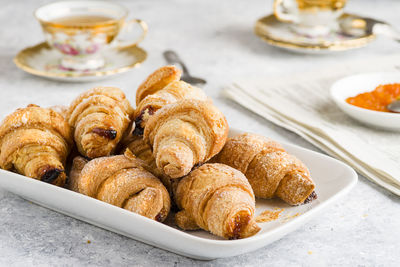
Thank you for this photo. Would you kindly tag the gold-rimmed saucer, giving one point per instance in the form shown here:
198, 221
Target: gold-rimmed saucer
41, 60
281, 34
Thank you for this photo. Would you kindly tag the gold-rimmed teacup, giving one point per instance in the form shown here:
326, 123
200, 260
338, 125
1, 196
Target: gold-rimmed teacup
81, 30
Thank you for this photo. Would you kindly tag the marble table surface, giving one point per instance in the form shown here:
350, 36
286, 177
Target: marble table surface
215, 39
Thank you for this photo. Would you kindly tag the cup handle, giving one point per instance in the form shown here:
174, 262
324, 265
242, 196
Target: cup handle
127, 27
285, 12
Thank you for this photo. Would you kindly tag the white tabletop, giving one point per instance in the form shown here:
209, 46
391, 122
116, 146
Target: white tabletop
215, 39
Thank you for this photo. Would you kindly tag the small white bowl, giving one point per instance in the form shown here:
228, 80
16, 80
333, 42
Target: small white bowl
361, 83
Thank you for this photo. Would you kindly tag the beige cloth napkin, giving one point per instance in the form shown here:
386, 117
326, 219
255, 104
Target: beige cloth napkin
302, 104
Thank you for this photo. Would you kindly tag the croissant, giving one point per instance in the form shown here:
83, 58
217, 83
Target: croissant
219, 199
99, 118
184, 134
35, 142
271, 171
122, 181
165, 89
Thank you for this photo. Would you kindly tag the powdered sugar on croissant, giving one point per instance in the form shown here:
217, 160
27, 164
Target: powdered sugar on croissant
121, 181
219, 199
184, 134
271, 171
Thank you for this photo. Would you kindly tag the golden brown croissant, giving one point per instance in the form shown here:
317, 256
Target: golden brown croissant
121, 181
219, 199
165, 89
99, 118
184, 134
270, 170
35, 142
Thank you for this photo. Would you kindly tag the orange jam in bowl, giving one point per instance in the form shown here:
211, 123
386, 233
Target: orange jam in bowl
377, 99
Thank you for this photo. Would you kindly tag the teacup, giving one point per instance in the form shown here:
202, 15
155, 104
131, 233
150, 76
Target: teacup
81, 30
310, 17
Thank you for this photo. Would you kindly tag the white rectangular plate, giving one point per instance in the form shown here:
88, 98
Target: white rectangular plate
333, 180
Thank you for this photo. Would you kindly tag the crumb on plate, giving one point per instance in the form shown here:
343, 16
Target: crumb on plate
269, 215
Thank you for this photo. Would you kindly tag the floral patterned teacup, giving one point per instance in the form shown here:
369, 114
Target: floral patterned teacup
80, 30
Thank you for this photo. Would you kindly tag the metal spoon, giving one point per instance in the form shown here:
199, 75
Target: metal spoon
394, 106
359, 26
172, 58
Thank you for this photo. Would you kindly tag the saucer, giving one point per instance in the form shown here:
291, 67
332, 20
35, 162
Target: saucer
281, 34
43, 61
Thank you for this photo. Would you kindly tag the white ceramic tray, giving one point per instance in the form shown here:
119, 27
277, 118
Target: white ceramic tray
332, 177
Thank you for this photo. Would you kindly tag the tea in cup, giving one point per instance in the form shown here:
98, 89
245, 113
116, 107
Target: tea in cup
310, 17
81, 30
